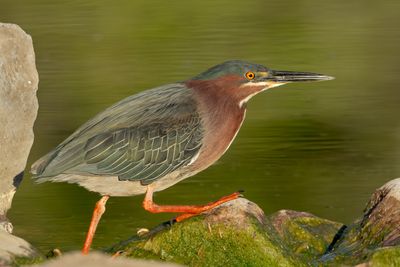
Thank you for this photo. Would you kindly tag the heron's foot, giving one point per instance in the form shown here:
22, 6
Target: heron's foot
152, 207
209, 206
188, 211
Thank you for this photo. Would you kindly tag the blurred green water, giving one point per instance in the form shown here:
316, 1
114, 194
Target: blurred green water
321, 147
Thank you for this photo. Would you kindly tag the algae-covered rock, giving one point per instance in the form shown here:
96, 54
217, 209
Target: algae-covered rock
236, 233
303, 234
378, 228
232, 234
384, 257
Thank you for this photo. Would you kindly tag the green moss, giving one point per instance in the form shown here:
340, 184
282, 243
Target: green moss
359, 244
20, 261
287, 238
304, 240
386, 257
138, 252
307, 237
193, 243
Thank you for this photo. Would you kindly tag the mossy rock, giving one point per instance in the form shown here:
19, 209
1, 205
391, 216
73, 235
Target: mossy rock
302, 234
385, 257
236, 233
373, 235
25, 261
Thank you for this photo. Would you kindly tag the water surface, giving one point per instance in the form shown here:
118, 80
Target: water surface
320, 147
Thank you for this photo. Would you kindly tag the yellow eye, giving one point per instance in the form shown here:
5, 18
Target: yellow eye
250, 75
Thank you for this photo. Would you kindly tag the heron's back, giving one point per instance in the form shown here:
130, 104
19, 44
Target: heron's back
168, 111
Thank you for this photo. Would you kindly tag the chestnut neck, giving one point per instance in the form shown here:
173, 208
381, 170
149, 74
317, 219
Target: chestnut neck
221, 115
224, 91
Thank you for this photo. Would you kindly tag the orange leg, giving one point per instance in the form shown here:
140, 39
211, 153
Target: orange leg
99, 209
188, 211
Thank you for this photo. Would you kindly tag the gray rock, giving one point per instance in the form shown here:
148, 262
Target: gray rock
98, 259
236, 213
18, 109
11, 246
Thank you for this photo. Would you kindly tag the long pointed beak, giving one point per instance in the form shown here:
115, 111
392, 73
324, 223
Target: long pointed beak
294, 76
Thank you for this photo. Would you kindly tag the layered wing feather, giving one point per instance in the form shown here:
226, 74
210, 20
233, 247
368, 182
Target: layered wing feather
143, 138
144, 154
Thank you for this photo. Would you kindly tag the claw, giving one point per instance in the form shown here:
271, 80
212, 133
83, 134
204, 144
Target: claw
142, 231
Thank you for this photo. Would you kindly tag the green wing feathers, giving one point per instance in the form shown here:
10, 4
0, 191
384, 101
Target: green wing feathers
143, 154
142, 138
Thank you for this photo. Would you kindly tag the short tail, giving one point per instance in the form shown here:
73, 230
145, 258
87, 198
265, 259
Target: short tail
38, 168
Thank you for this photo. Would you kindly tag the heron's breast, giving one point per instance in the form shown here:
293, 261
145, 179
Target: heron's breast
221, 115
220, 129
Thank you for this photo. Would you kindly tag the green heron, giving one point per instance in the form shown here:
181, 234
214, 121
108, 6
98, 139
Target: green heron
152, 140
